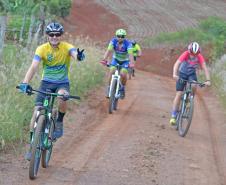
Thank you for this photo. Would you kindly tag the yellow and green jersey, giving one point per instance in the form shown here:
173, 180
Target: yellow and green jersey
136, 48
56, 61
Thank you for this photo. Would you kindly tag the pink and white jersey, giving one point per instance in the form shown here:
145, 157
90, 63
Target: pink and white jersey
190, 64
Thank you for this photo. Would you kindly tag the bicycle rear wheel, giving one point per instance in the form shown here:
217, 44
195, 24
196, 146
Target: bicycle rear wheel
48, 140
36, 149
112, 98
186, 117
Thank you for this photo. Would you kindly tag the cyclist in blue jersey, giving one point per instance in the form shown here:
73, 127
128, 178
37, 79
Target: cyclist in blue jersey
122, 54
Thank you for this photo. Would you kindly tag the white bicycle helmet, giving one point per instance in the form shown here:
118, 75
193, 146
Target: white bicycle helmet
194, 48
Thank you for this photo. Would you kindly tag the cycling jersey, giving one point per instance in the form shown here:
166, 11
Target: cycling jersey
120, 54
189, 65
136, 48
56, 61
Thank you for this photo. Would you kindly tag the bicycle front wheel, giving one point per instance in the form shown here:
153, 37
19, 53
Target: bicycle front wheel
112, 98
36, 148
186, 117
48, 140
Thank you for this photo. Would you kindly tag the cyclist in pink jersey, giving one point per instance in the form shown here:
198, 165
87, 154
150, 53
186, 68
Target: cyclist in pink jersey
185, 68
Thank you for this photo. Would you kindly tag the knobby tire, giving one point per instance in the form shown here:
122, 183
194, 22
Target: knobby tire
112, 96
46, 153
36, 149
186, 117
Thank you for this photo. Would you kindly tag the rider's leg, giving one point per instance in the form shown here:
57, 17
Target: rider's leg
176, 102
62, 108
193, 77
62, 105
33, 119
123, 74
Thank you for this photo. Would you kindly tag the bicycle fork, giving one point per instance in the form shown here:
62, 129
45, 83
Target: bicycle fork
116, 77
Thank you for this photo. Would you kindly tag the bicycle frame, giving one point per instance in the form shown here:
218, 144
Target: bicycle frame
46, 110
188, 91
186, 112
42, 137
116, 76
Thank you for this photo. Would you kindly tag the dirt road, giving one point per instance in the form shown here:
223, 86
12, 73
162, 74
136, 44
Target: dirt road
135, 145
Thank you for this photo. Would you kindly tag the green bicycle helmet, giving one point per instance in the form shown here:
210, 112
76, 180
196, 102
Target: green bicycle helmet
120, 32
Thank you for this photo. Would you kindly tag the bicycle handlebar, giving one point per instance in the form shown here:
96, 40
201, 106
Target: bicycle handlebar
107, 64
52, 94
201, 84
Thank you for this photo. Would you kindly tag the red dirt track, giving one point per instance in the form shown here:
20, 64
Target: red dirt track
135, 145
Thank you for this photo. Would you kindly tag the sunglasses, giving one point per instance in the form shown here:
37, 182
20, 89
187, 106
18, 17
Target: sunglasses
54, 34
121, 36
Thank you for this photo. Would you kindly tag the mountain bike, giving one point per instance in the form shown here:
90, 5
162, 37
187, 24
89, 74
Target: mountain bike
115, 86
186, 109
42, 139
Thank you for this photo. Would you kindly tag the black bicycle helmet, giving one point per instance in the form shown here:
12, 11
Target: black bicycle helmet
54, 27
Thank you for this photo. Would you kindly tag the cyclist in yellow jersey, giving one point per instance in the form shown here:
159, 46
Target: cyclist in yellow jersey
137, 52
55, 56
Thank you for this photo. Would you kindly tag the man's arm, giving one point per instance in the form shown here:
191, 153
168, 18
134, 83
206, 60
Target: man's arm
204, 67
106, 54
175, 69
31, 71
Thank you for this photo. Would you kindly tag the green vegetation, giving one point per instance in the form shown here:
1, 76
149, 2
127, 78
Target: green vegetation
211, 31
16, 108
13, 27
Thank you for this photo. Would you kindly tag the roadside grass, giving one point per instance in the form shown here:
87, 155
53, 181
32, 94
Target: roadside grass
219, 78
16, 108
